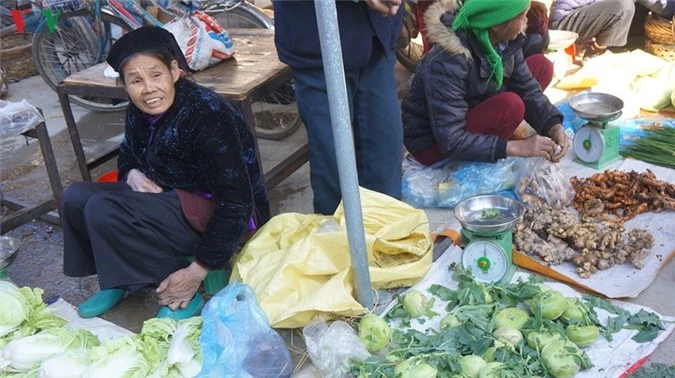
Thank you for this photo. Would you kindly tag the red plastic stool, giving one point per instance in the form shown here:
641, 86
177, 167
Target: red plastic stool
108, 177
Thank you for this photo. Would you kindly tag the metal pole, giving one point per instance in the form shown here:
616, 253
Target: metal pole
331, 52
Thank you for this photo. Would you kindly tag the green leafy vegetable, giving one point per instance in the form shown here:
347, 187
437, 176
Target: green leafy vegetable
511, 317
375, 332
648, 325
511, 336
415, 303
583, 336
654, 371
551, 303
490, 213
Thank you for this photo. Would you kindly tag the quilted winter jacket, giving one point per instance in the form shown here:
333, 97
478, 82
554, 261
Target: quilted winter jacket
453, 78
562, 8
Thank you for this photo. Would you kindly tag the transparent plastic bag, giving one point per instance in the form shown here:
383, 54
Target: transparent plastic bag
541, 182
331, 348
237, 340
448, 183
18, 117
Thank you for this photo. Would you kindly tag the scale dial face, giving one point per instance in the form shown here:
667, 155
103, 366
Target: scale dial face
589, 144
486, 260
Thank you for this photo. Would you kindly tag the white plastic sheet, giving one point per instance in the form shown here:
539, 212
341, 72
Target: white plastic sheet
624, 281
611, 359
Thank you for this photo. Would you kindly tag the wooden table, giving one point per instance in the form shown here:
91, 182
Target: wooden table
253, 72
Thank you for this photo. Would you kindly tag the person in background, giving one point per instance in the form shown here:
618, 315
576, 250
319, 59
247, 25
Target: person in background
368, 32
474, 88
537, 30
189, 186
661, 8
600, 24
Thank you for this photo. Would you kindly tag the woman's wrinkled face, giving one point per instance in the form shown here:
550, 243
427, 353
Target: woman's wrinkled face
150, 83
510, 30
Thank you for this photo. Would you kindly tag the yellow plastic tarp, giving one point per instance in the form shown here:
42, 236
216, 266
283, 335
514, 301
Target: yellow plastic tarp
299, 267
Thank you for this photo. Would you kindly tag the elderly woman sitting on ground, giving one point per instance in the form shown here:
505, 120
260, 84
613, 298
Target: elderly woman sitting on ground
474, 88
189, 186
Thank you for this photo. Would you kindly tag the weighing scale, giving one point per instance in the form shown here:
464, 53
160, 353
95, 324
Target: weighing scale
486, 236
9, 248
596, 144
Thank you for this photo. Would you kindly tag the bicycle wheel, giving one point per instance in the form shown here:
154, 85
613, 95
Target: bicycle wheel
72, 47
241, 17
276, 114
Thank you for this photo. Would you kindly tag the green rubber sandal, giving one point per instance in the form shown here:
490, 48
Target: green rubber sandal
100, 302
193, 309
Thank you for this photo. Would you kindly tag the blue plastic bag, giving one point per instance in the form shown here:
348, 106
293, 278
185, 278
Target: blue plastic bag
237, 340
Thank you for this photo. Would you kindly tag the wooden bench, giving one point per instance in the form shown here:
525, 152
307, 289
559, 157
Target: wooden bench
252, 73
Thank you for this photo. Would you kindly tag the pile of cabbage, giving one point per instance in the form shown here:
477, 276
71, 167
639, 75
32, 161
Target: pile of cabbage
34, 343
525, 329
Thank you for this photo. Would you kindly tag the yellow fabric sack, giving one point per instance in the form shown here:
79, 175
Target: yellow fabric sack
299, 267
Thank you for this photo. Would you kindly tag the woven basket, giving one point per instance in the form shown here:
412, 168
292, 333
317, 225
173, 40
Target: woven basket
666, 52
659, 29
16, 57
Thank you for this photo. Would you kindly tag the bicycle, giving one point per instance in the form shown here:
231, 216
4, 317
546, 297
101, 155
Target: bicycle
85, 32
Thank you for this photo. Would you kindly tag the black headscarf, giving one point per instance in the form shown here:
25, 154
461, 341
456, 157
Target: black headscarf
145, 39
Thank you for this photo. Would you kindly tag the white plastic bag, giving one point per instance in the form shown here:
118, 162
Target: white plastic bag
331, 348
203, 41
17, 117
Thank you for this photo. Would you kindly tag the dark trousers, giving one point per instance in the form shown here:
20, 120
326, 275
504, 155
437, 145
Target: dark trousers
130, 239
500, 114
376, 123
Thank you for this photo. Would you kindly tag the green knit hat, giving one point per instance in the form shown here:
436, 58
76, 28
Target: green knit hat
479, 16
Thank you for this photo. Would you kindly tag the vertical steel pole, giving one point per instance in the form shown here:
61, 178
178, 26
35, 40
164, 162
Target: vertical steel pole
331, 52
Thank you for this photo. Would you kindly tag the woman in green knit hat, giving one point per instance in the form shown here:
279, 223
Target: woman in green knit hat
474, 88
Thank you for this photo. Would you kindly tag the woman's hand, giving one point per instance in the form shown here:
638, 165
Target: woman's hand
177, 290
559, 136
533, 146
141, 183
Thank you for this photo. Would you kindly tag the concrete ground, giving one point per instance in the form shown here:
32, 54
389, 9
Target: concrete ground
39, 263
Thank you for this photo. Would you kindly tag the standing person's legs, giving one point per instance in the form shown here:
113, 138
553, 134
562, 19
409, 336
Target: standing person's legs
78, 259
312, 99
378, 132
607, 21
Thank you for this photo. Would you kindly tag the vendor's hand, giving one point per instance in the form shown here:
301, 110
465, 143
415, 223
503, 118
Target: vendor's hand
384, 7
559, 136
177, 290
533, 146
141, 183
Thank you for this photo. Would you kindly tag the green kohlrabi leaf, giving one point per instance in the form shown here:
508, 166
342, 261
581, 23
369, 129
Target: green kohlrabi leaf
654, 371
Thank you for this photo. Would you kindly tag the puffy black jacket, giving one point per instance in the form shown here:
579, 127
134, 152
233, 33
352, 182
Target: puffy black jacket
201, 144
453, 78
